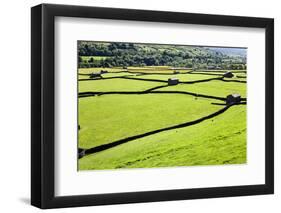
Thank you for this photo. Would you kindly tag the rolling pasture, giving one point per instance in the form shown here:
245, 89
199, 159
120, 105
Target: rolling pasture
98, 58
132, 118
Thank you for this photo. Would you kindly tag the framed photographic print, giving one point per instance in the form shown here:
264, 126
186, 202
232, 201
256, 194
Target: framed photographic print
139, 106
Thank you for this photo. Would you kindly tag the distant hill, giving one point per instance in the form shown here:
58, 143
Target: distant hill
231, 51
133, 54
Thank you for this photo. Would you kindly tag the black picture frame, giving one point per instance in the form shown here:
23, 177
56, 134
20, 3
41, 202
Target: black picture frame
43, 102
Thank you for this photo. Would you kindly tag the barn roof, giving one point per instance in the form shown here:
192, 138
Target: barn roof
235, 95
173, 79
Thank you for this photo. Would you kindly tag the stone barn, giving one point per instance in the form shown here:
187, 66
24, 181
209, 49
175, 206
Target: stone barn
95, 75
228, 75
173, 81
233, 99
103, 71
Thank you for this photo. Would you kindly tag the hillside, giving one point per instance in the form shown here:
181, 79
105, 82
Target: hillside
105, 54
242, 52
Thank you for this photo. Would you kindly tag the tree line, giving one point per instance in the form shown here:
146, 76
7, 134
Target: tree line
118, 54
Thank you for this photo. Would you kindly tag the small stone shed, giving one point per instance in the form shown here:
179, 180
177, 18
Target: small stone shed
95, 75
103, 71
228, 75
173, 81
233, 99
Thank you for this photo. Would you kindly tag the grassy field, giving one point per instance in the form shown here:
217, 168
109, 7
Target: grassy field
181, 77
109, 85
108, 75
218, 141
97, 58
214, 88
111, 117
121, 116
97, 69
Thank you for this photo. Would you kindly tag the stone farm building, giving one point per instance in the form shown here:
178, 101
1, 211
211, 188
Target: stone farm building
228, 75
173, 81
103, 71
233, 99
95, 75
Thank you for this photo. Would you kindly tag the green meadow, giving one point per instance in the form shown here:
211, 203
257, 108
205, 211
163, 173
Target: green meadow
181, 77
111, 85
97, 58
106, 118
221, 140
213, 88
121, 116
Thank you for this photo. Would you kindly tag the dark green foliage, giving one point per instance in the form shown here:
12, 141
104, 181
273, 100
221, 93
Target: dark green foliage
130, 54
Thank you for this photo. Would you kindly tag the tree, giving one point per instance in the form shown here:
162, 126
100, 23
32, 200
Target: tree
91, 60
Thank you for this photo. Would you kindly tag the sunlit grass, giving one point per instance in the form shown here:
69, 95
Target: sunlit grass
107, 118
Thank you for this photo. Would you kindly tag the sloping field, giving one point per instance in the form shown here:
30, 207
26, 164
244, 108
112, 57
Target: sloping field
97, 58
119, 107
109, 118
107, 75
221, 71
119, 74
98, 69
83, 77
214, 88
115, 85
221, 140
181, 77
